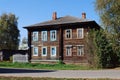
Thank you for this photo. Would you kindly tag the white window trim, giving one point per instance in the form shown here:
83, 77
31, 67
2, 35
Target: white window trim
42, 36
33, 51
51, 50
82, 33
46, 50
36, 36
83, 50
70, 33
66, 46
51, 39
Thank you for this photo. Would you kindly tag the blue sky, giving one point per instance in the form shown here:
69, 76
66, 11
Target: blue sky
35, 11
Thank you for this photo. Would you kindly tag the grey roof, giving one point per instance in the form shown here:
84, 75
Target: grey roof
61, 20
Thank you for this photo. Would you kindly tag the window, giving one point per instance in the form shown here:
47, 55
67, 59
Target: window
53, 51
44, 35
35, 51
68, 50
80, 33
68, 33
44, 51
80, 50
35, 36
53, 35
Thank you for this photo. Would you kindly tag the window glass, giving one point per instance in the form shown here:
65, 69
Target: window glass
68, 51
53, 35
69, 33
80, 50
35, 51
44, 51
44, 35
53, 51
80, 33
35, 36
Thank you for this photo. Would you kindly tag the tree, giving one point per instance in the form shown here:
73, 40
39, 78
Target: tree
109, 12
100, 52
9, 33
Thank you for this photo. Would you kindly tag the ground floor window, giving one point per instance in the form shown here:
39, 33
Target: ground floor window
80, 50
44, 51
53, 51
68, 50
35, 51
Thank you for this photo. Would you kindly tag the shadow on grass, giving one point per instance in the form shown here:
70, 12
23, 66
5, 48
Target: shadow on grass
9, 70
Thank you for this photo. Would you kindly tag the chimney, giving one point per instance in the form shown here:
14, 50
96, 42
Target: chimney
54, 16
84, 15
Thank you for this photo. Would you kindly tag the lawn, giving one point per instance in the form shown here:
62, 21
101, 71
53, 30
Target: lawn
29, 78
44, 66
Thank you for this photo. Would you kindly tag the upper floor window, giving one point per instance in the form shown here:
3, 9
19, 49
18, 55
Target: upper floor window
68, 33
68, 50
80, 32
80, 50
53, 36
35, 36
35, 51
44, 35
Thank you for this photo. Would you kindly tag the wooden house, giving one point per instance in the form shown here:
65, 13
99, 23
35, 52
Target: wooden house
62, 38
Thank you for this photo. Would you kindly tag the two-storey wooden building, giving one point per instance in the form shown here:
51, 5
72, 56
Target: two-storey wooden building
61, 38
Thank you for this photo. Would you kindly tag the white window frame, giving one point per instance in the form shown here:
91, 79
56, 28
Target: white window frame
46, 51
35, 48
82, 50
44, 36
68, 33
35, 36
51, 50
70, 48
51, 35
81, 34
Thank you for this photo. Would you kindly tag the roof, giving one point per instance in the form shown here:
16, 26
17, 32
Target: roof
61, 20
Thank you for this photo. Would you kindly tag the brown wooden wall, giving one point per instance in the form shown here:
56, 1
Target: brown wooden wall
47, 44
74, 41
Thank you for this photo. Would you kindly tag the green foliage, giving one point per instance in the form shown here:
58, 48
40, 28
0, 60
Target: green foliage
99, 46
9, 33
109, 12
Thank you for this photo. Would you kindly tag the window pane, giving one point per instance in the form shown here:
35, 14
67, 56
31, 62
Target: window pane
53, 51
53, 35
44, 36
80, 50
80, 33
68, 51
35, 51
68, 33
35, 36
44, 51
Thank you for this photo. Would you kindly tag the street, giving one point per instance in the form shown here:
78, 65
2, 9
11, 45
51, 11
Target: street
110, 73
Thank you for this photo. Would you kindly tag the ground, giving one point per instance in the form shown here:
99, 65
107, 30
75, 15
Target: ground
109, 73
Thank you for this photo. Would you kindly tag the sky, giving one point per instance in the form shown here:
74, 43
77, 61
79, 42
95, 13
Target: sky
34, 11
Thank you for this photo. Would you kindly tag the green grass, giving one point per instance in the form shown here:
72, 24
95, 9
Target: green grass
44, 66
29, 78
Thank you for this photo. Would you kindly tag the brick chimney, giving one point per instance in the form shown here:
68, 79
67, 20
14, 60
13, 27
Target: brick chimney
54, 16
84, 15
